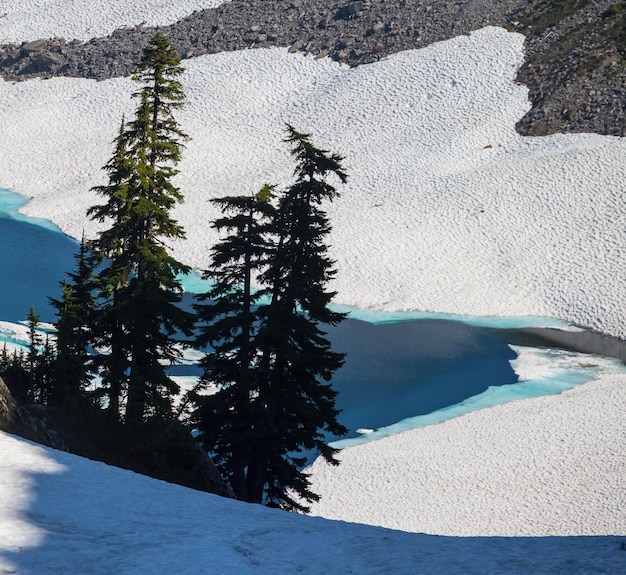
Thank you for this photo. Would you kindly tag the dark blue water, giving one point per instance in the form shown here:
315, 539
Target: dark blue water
33, 260
392, 371
395, 371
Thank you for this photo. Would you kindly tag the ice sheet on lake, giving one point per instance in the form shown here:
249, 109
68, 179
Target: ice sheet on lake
541, 372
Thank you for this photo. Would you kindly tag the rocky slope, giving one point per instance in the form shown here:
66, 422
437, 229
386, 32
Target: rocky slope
575, 68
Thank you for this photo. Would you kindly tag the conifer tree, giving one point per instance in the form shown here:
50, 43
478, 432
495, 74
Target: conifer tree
297, 361
13, 369
141, 312
73, 362
281, 401
108, 334
35, 341
228, 320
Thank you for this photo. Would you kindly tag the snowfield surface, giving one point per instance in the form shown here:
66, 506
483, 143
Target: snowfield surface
537, 467
61, 514
28, 20
447, 208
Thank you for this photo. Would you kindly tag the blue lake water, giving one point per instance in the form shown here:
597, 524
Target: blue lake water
34, 257
402, 370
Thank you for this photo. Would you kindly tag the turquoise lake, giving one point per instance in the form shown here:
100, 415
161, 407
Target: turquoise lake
400, 367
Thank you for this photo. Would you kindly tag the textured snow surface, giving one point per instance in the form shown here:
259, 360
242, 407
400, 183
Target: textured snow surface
61, 514
536, 467
447, 209
27, 20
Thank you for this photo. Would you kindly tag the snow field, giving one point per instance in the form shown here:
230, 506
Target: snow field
63, 514
28, 20
544, 466
447, 208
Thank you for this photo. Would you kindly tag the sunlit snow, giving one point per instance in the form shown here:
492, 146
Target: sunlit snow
61, 514
28, 20
543, 466
447, 208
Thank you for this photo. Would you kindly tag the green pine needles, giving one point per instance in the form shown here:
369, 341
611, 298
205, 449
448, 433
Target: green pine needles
263, 322
140, 293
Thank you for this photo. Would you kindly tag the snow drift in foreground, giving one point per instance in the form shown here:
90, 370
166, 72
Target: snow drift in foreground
61, 514
536, 467
447, 209
27, 20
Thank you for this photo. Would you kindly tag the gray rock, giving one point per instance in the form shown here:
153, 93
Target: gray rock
572, 47
34, 46
43, 64
354, 8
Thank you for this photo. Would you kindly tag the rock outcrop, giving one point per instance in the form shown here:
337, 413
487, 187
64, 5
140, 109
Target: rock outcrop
575, 70
28, 420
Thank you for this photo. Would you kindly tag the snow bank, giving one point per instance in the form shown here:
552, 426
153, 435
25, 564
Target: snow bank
27, 20
536, 467
447, 209
62, 514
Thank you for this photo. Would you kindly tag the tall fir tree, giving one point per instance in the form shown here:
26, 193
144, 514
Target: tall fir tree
281, 402
228, 322
109, 334
297, 361
141, 312
36, 392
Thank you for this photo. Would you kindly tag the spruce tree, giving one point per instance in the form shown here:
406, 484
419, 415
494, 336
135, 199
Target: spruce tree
276, 404
109, 334
35, 342
297, 361
141, 311
13, 369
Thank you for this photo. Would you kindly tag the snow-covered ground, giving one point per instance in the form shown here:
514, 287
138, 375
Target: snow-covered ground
447, 209
28, 20
60, 514
543, 466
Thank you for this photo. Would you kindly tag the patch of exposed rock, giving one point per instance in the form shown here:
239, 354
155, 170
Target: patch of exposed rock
29, 420
575, 68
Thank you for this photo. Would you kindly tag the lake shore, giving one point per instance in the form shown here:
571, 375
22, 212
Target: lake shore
586, 341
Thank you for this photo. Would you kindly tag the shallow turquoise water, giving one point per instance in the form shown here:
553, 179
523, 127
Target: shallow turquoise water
34, 257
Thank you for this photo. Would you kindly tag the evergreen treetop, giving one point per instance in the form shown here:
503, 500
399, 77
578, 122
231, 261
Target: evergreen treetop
271, 361
141, 313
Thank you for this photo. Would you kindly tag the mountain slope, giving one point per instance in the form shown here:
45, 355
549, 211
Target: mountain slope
61, 514
575, 67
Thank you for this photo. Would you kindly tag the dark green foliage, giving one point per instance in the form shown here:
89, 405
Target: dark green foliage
139, 289
228, 321
37, 389
118, 313
615, 17
30, 375
73, 365
271, 361
547, 13
588, 46
34, 339
14, 372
